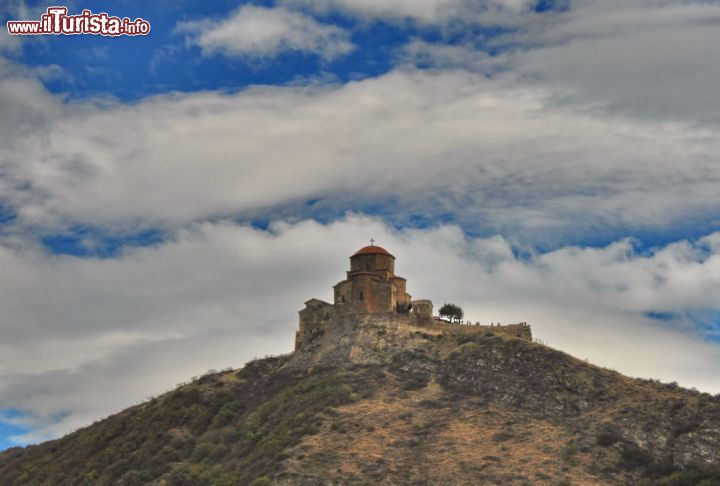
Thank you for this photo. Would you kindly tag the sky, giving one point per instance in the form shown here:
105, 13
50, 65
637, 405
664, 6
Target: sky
169, 201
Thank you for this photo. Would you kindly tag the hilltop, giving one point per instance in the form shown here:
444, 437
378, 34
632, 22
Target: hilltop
379, 391
451, 407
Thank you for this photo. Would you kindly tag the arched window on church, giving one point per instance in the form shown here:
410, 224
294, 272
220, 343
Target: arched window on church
361, 295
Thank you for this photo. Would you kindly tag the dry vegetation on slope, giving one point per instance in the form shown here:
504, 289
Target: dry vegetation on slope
457, 409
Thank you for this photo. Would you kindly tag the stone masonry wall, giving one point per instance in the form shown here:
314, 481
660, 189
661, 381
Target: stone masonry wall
332, 332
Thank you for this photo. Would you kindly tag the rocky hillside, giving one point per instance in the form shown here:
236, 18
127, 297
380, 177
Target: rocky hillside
396, 406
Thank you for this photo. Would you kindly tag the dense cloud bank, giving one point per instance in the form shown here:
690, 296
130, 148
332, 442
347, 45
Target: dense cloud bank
497, 155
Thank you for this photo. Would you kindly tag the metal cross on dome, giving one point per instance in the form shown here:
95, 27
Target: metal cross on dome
372, 242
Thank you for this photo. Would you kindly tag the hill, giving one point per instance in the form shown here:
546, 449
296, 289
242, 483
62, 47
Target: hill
396, 403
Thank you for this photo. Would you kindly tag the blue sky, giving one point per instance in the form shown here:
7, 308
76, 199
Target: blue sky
555, 162
9, 429
133, 68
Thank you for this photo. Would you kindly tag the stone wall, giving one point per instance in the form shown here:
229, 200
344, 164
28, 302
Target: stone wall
333, 328
520, 330
359, 338
314, 319
421, 311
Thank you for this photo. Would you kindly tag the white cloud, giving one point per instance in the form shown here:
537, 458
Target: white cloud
259, 32
621, 159
649, 58
501, 156
424, 11
85, 337
443, 56
644, 58
28, 111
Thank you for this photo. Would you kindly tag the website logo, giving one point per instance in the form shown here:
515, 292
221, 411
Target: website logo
56, 21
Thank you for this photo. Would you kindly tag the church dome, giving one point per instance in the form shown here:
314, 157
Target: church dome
372, 250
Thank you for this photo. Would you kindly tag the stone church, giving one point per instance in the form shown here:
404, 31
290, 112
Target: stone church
370, 288
371, 284
373, 297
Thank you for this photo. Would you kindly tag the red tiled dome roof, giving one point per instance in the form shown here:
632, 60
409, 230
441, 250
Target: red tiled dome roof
372, 250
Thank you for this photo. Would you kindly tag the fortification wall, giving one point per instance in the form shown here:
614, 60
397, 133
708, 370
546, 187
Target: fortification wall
521, 330
330, 334
354, 337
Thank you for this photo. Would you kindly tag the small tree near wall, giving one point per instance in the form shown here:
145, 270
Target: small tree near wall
451, 312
